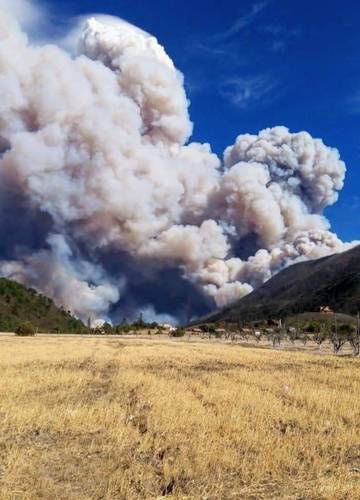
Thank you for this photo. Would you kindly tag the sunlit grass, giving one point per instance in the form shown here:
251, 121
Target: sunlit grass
107, 418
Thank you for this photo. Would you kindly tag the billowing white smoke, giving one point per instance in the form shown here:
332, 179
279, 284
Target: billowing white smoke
96, 144
145, 74
68, 278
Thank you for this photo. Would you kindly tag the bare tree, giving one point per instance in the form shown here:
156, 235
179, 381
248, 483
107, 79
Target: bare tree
352, 336
245, 333
276, 338
319, 337
269, 333
292, 334
304, 339
357, 337
337, 341
354, 341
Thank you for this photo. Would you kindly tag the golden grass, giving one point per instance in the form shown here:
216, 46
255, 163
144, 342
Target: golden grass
108, 419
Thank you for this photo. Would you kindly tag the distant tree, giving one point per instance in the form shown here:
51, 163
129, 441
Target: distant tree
25, 330
268, 333
123, 329
74, 325
313, 327
276, 339
338, 335
209, 329
107, 328
354, 340
244, 332
233, 337
319, 337
337, 341
292, 334
304, 338
179, 332
346, 329
119, 329
139, 323
216, 333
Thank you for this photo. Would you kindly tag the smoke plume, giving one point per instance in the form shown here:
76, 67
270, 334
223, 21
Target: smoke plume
105, 205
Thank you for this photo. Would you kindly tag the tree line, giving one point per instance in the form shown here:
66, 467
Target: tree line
319, 332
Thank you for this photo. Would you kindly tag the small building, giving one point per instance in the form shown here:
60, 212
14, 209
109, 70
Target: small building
168, 327
326, 310
247, 331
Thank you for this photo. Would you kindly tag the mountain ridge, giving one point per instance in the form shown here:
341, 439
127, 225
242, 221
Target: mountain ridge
332, 281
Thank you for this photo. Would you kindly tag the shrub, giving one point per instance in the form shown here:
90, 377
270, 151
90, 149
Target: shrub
179, 332
319, 337
25, 330
108, 329
122, 329
207, 328
346, 329
313, 327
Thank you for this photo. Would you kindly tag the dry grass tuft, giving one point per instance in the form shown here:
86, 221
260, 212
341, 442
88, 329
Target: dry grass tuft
106, 418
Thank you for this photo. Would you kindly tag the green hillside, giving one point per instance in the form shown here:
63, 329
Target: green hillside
19, 304
303, 319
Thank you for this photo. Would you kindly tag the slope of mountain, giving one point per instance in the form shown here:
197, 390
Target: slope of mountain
332, 281
19, 304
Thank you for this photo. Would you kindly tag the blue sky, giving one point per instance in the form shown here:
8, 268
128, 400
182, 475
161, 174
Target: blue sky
249, 65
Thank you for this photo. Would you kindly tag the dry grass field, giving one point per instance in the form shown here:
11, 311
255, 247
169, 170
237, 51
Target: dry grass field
121, 419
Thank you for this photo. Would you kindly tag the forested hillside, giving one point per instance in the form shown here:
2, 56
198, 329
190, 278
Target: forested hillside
19, 304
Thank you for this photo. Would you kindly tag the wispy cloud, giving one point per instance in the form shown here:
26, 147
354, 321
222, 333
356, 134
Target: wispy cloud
249, 91
278, 45
353, 103
243, 21
229, 61
209, 50
280, 36
354, 203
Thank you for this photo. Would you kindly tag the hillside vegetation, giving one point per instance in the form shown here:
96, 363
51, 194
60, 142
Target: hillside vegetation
304, 287
304, 319
91, 418
19, 304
